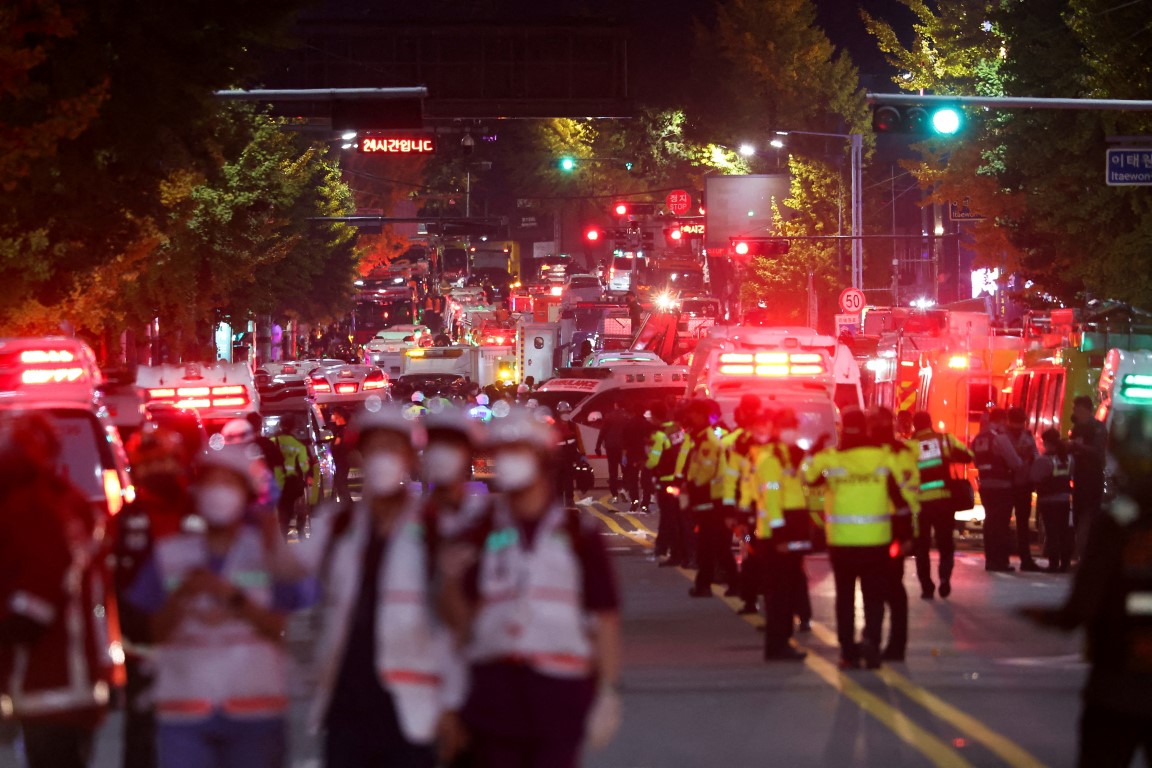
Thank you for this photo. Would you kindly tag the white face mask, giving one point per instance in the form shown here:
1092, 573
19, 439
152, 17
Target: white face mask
220, 505
515, 470
444, 464
384, 472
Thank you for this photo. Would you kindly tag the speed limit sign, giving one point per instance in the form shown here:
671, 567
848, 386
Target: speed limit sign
852, 300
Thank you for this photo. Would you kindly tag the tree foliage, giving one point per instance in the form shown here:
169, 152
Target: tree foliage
1036, 174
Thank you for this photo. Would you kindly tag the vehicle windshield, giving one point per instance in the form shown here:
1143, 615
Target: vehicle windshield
623, 264
677, 279
551, 399
80, 457
183, 423
584, 282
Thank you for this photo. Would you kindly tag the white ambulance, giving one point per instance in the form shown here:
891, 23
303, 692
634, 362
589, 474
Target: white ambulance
219, 392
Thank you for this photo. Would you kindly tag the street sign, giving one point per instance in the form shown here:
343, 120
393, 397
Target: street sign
1128, 167
848, 323
851, 300
678, 201
961, 212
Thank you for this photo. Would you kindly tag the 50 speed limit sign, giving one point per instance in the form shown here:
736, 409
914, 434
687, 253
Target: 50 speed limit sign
851, 300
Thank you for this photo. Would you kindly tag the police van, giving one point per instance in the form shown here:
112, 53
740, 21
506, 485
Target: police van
592, 392
59, 378
219, 392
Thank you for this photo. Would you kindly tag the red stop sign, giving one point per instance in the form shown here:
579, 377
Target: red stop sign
678, 201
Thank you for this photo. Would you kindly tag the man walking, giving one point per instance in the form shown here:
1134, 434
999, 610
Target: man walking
1025, 445
997, 462
611, 441
935, 451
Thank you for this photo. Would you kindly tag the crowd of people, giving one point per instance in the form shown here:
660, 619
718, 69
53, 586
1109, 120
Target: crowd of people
454, 625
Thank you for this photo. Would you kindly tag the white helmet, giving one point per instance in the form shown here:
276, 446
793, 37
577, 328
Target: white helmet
417, 397
563, 407
481, 399
244, 461
522, 426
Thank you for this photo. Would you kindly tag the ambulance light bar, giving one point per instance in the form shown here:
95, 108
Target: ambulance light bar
1136, 386
772, 364
226, 396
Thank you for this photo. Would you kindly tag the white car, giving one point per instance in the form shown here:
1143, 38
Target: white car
582, 288
347, 383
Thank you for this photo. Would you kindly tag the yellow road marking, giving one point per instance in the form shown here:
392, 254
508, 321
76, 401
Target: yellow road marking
615, 527
639, 525
1004, 748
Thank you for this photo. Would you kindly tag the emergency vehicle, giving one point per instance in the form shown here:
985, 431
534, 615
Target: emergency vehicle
591, 392
621, 357
1125, 386
484, 365
59, 378
220, 392
386, 350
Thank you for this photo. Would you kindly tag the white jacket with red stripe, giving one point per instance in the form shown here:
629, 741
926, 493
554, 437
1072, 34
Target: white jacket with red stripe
531, 600
214, 660
415, 655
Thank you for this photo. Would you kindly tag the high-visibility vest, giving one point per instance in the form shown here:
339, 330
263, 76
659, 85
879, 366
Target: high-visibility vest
792, 485
296, 459
531, 600
664, 450
701, 459
858, 510
415, 658
1057, 486
767, 479
906, 470
214, 661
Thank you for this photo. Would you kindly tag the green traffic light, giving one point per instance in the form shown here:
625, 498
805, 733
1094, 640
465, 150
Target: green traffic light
567, 164
946, 121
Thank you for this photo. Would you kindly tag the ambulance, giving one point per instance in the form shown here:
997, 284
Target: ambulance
592, 392
788, 368
1125, 386
59, 378
219, 392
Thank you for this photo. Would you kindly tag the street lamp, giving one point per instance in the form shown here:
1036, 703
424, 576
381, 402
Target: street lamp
857, 159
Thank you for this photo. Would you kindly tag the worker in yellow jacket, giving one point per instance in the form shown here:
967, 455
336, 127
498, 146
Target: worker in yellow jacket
861, 526
701, 469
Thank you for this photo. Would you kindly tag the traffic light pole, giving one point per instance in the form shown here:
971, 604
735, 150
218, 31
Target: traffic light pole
857, 210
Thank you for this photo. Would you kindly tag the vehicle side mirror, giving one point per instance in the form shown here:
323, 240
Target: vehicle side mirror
594, 417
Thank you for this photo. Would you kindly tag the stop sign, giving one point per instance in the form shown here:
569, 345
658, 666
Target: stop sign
678, 201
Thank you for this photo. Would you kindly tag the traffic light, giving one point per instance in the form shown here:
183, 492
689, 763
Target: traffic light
941, 121
620, 208
567, 164
747, 247
592, 234
674, 235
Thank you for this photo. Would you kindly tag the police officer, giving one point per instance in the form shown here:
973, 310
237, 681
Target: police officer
1025, 445
1109, 599
997, 462
291, 476
735, 494
569, 453
882, 431
861, 527
776, 559
1088, 440
1052, 476
935, 451
702, 467
663, 453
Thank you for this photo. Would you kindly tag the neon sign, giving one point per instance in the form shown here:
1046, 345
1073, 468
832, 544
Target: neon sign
420, 144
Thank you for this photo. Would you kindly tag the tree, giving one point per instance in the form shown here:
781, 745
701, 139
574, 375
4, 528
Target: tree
1035, 174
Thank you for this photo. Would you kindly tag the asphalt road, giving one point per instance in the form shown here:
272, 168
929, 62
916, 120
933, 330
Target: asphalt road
979, 688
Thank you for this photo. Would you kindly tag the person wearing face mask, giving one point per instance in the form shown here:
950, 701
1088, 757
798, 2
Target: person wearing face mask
446, 467
161, 508
702, 465
219, 599
389, 679
532, 593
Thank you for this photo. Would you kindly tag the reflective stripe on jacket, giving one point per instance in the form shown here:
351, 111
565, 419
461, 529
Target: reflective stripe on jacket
858, 510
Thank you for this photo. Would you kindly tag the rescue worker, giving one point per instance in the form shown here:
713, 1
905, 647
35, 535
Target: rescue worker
54, 671
389, 682
569, 452
416, 407
446, 469
1109, 599
338, 423
219, 599
610, 441
803, 510
1088, 440
776, 558
935, 452
533, 592
160, 473
1052, 476
1025, 445
738, 445
861, 527
997, 462
663, 453
701, 467
882, 431
292, 475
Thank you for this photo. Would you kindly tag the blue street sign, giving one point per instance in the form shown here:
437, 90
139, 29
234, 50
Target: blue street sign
1129, 167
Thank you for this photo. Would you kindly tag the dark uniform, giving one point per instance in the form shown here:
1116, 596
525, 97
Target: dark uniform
997, 462
663, 452
936, 522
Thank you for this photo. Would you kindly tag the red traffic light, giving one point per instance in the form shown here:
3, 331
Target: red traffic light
742, 248
675, 234
759, 246
592, 235
620, 209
